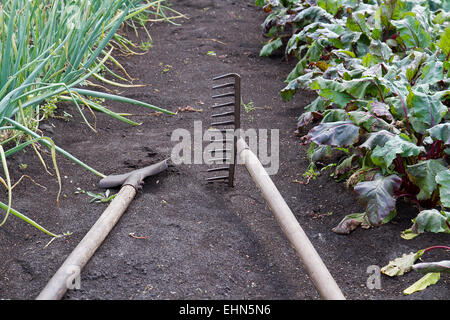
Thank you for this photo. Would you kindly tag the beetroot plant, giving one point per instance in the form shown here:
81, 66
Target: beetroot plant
380, 71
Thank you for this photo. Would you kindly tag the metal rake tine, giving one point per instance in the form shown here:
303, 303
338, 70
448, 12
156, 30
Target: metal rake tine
235, 114
219, 169
218, 178
224, 114
219, 159
222, 123
223, 105
228, 75
219, 150
223, 95
221, 140
222, 131
225, 85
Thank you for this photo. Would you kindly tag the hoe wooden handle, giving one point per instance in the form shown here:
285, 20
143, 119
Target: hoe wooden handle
72, 266
61, 281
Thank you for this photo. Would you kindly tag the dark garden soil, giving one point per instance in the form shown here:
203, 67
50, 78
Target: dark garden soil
182, 238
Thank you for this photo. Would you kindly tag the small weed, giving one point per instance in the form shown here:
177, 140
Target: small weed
97, 197
311, 173
249, 106
49, 108
101, 197
67, 116
331, 165
165, 67
145, 45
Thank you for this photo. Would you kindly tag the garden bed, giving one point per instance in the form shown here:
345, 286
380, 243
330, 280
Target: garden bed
182, 238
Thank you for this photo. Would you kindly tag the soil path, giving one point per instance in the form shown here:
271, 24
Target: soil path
200, 241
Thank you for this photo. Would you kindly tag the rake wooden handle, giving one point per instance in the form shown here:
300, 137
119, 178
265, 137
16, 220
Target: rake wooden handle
314, 266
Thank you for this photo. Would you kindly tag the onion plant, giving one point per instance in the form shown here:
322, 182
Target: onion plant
48, 50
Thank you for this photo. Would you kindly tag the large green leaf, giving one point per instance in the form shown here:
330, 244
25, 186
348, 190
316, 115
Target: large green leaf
288, 92
297, 80
383, 156
441, 132
432, 71
339, 98
443, 180
338, 134
444, 42
357, 22
423, 175
361, 88
380, 50
343, 92
318, 153
332, 90
431, 220
375, 139
425, 111
414, 67
413, 32
271, 47
368, 121
347, 166
331, 6
318, 105
334, 115
313, 14
298, 71
378, 196
388, 11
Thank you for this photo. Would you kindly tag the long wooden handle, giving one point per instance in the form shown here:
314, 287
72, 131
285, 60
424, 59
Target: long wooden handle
61, 281
314, 266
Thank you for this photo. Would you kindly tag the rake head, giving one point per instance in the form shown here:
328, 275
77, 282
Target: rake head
221, 123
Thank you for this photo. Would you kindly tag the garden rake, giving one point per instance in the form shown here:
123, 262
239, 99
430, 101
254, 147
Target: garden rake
313, 264
232, 118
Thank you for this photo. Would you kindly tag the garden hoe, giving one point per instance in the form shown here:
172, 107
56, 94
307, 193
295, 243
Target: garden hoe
71, 268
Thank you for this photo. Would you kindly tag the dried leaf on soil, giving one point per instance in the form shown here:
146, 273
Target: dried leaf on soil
427, 280
400, 266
